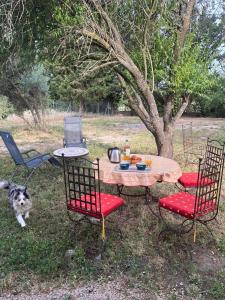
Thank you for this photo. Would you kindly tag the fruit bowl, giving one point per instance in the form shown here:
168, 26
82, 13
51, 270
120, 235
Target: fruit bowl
135, 159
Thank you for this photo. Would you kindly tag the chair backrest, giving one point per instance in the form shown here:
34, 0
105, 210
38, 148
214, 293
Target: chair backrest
194, 147
12, 147
210, 173
72, 131
214, 151
82, 185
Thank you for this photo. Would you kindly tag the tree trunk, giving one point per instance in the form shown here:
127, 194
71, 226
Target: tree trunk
40, 124
165, 146
81, 107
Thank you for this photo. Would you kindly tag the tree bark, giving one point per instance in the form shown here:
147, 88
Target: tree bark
165, 143
81, 107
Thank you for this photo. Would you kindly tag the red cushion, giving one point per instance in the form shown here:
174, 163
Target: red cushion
109, 203
183, 204
189, 180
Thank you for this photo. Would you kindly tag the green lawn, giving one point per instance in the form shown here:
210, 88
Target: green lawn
35, 255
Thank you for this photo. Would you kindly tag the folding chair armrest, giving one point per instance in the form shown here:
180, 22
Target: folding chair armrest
37, 157
27, 152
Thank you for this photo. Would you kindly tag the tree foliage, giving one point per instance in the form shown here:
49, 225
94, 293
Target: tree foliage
6, 107
160, 51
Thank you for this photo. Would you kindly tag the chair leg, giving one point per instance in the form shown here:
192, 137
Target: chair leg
29, 176
180, 187
195, 232
103, 241
148, 201
119, 189
180, 229
205, 223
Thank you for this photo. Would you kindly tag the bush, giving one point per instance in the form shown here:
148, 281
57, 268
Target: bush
6, 108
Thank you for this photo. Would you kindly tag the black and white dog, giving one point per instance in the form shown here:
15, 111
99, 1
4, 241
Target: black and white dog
19, 200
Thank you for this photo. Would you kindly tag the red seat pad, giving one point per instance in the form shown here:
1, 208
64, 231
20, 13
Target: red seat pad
183, 204
191, 180
109, 203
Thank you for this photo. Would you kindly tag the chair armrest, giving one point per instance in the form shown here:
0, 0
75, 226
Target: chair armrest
27, 152
40, 156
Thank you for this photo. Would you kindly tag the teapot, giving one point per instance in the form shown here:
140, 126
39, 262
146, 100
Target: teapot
114, 155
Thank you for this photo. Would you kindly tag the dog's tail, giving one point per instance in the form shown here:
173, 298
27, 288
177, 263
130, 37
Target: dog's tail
4, 184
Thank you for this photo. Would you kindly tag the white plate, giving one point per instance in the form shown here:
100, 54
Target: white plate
71, 152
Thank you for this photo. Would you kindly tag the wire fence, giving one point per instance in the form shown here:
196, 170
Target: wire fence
105, 108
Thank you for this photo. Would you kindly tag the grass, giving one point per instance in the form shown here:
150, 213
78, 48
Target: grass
35, 256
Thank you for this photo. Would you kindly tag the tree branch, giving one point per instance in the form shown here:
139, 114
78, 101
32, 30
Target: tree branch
136, 104
185, 102
181, 34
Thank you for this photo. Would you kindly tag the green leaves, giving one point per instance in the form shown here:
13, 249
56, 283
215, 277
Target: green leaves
6, 107
191, 72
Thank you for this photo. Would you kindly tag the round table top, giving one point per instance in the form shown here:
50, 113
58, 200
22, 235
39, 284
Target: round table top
71, 152
162, 169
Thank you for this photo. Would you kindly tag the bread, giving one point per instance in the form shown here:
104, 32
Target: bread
135, 159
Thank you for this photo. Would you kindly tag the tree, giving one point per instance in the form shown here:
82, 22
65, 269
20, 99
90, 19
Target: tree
68, 85
22, 79
26, 88
150, 46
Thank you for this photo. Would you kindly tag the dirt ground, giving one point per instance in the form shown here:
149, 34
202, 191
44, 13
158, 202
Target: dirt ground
112, 290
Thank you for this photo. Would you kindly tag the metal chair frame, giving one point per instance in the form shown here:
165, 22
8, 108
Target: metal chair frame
207, 195
82, 185
213, 149
193, 149
73, 136
31, 162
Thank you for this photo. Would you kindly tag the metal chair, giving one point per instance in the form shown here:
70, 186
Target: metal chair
194, 147
83, 196
203, 206
73, 132
25, 159
213, 149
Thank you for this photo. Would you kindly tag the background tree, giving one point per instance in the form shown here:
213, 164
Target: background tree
150, 45
6, 107
26, 88
22, 79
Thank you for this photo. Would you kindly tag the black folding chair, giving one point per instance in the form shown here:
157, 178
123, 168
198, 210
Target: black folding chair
25, 158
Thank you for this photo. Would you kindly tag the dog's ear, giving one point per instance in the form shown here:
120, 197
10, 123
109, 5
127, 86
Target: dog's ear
25, 193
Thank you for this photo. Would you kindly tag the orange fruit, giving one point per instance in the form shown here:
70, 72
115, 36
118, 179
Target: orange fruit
148, 162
